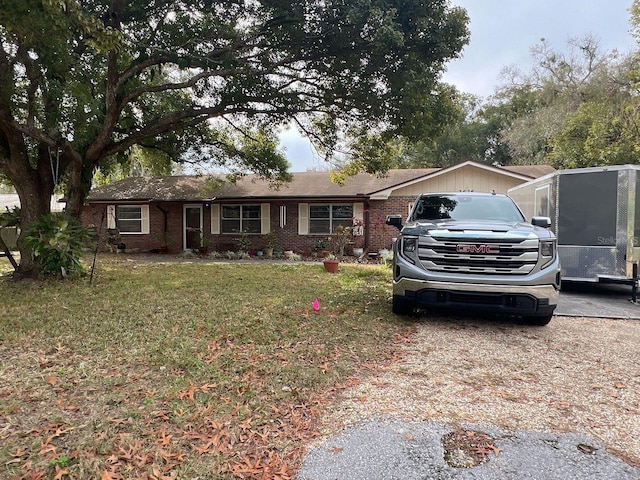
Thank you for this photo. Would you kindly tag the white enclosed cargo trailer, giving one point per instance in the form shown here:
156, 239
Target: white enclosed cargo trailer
595, 213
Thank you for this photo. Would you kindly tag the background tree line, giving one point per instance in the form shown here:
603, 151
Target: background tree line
579, 107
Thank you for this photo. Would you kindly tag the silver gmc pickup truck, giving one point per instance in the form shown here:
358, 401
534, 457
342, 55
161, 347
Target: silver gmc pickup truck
475, 251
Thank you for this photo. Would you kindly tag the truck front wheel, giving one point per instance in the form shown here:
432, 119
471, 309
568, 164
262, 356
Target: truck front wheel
539, 320
400, 306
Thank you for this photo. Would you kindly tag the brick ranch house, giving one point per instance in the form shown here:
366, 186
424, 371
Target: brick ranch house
298, 214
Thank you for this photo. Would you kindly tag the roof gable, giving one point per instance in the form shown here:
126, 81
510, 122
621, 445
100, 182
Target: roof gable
383, 194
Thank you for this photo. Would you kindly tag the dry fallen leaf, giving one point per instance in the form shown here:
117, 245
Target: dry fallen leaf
60, 472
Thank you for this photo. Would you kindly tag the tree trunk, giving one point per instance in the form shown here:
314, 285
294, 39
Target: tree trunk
34, 203
79, 175
34, 187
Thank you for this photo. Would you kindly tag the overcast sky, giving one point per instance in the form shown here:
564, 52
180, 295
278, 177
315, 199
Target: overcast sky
502, 34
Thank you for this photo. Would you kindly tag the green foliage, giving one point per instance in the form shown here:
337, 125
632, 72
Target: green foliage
320, 244
340, 239
57, 241
270, 240
573, 109
10, 218
596, 134
139, 161
62, 461
472, 134
243, 241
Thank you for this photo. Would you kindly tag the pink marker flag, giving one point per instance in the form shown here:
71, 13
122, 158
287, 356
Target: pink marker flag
316, 305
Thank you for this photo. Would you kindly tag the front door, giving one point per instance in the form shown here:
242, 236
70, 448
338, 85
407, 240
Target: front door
192, 226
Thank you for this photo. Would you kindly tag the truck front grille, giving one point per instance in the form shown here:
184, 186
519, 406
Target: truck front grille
478, 255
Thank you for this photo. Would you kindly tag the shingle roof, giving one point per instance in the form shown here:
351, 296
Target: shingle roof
303, 185
533, 171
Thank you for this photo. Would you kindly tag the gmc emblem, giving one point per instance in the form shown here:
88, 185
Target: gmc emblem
490, 249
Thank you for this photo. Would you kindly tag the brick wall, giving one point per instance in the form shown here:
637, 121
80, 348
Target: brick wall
96, 215
381, 235
287, 237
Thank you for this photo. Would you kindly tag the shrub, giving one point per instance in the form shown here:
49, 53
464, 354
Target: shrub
243, 241
387, 259
10, 218
57, 241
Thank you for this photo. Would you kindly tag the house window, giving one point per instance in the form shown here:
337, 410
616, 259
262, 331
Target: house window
326, 218
238, 218
129, 218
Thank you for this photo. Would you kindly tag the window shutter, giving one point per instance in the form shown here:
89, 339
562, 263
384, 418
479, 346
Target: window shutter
358, 219
303, 219
265, 218
144, 212
215, 219
111, 216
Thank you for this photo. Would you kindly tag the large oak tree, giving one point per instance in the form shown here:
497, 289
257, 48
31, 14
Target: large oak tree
82, 81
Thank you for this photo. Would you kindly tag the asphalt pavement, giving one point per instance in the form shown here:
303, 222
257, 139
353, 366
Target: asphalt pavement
598, 300
394, 450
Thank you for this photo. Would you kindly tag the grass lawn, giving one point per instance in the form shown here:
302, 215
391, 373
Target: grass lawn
182, 370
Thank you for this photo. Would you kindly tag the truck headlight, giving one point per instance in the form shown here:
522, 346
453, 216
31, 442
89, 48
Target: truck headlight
409, 247
547, 251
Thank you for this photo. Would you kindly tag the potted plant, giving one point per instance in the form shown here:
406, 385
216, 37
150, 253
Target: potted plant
331, 263
269, 243
165, 240
203, 243
338, 242
320, 247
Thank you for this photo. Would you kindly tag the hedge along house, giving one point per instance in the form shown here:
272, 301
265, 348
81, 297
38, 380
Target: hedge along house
185, 209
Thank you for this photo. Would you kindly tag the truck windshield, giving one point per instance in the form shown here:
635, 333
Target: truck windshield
466, 207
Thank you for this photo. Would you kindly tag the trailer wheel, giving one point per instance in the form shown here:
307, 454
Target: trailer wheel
400, 306
539, 320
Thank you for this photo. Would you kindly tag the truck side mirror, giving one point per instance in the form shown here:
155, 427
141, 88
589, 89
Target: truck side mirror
544, 222
394, 221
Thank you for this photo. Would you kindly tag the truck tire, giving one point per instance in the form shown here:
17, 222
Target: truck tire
539, 320
400, 306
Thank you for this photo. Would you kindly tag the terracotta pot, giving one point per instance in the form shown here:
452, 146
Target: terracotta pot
331, 266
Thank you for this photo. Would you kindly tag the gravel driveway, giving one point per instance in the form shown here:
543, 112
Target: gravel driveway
564, 398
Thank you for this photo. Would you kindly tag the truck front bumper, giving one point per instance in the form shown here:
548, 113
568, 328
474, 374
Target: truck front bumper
535, 300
